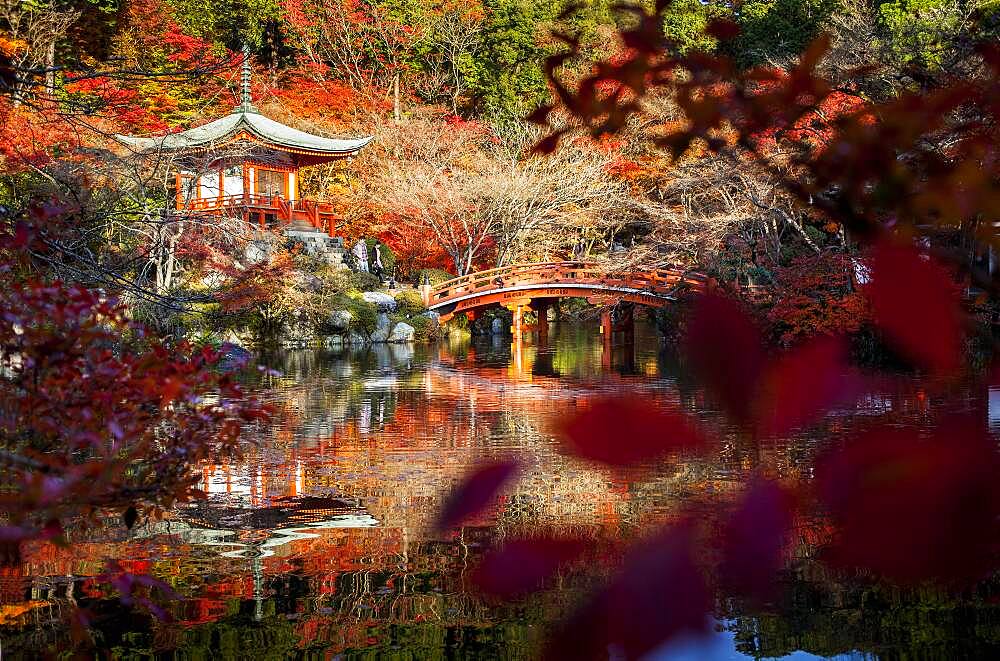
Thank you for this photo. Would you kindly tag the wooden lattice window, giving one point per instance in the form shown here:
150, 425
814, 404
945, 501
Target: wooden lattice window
270, 182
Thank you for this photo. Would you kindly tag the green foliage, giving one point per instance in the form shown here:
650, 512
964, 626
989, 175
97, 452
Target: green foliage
507, 78
364, 315
230, 23
914, 29
364, 281
459, 322
921, 33
94, 31
409, 303
425, 329
684, 24
200, 317
341, 280
777, 29
204, 339
575, 307
436, 276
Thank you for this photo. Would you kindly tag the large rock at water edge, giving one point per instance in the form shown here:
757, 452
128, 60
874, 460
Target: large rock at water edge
402, 332
298, 331
432, 315
356, 339
339, 321
381, 332
382, 301
496, 328
233, 357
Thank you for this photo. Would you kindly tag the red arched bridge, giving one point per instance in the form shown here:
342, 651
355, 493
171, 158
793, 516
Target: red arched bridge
521, 286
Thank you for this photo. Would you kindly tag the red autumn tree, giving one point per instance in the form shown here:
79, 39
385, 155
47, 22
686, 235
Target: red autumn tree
99, 415
268, 290
33, 137
817, 295
415, 247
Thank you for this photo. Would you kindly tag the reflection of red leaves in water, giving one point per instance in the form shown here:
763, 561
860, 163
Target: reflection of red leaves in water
623, 431
916, 305
477, 491
801, 386
913, 508
726, 352
169, 390
753, 539
725, 349
659, 594
522, 565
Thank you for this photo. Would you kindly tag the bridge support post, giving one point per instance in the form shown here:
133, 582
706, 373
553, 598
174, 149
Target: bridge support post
607, 330
541, 308
517, 308
425, 289
607, 325
517, 325
627, 324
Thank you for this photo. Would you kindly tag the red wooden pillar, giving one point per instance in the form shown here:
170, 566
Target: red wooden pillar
607, 330
517, 354
246, 192
607, 326
222, 185
628, 331
541, 308
518, 325
627, 323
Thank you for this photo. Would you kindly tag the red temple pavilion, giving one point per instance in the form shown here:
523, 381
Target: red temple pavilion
246, 164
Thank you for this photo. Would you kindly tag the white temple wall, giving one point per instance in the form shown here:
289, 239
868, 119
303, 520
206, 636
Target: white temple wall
208, 185
232, 182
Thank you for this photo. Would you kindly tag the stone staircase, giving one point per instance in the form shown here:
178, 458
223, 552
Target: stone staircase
316, 242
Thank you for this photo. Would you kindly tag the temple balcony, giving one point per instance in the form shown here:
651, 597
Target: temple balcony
269, 212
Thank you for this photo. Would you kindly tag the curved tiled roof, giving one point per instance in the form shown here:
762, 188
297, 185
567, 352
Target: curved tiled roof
257, 125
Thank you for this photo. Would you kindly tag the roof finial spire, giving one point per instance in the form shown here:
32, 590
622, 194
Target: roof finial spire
245, 96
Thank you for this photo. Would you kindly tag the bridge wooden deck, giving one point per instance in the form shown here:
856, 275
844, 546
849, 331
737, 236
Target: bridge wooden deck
521, 283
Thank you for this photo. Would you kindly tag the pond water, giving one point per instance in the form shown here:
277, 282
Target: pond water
320, 542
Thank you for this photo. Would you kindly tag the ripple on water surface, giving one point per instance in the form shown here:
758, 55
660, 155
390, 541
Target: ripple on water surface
320, 541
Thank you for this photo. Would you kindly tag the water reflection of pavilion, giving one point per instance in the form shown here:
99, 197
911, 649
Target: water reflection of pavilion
322, 532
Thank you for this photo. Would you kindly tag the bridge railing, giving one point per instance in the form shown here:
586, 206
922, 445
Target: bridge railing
658, 281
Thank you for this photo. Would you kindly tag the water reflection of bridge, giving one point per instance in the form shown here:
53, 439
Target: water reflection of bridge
335, 586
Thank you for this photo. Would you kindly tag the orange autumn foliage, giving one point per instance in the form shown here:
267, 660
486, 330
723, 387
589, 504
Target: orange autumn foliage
817, 297
33, 137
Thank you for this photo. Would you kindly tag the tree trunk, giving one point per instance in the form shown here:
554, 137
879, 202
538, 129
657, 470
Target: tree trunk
50, 70
396, 114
